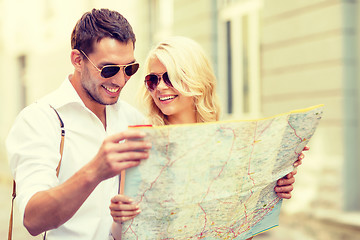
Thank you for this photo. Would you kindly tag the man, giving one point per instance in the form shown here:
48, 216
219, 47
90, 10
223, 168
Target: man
75, 205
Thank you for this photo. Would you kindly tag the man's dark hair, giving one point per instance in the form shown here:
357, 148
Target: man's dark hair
98, 24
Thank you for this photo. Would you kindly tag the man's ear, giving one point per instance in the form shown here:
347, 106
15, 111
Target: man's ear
76, 59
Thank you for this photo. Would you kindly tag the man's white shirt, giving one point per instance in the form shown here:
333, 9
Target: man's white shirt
33, 146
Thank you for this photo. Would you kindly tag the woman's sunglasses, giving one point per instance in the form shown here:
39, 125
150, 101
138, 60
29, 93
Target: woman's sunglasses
153, 80
109, 71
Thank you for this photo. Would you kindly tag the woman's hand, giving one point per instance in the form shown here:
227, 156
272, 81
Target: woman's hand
285, 185
123, 209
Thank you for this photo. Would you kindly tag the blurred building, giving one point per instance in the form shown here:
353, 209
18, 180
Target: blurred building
270, 56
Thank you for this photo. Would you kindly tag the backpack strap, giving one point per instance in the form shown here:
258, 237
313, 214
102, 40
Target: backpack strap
57, 174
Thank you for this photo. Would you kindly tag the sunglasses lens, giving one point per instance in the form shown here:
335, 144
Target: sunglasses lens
109, 71
131, 69
166, 79
151, 81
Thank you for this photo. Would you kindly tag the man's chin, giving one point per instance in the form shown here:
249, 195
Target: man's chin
111, 101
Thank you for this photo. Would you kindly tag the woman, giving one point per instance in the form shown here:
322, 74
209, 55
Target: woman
189, 100
180, 88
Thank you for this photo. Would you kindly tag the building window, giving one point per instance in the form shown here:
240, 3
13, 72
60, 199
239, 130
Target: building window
245, 65
21, 60
161, 19
239, 55
229, 91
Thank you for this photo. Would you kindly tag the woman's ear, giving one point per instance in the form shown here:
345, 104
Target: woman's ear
76, 59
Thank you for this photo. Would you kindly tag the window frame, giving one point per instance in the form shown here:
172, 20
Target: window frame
233, 66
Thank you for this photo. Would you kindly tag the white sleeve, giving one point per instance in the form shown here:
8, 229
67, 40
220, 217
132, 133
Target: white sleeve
33, 147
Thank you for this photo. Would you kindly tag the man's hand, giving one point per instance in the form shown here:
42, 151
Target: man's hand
51, 208
118, 152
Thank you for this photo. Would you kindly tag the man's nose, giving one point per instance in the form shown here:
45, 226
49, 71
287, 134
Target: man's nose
121, 78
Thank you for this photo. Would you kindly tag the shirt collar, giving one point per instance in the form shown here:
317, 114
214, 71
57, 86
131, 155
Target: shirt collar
66, 94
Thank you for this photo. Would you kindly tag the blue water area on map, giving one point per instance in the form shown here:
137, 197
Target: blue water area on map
269, 221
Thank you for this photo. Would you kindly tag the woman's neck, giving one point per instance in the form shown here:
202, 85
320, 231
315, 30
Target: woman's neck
182, 119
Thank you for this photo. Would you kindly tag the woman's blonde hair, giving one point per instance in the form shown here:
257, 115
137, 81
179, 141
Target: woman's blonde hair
190, 73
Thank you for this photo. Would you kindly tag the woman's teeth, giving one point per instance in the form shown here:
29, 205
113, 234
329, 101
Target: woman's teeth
166, 98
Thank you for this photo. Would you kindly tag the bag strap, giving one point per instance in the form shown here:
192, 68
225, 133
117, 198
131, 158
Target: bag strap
57, 174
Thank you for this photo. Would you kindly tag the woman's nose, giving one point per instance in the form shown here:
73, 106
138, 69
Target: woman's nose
162, 84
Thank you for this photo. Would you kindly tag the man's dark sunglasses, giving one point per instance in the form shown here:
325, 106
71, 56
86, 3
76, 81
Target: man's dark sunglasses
153, 80
109, 71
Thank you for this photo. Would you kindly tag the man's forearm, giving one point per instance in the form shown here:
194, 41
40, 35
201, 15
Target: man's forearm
50, 209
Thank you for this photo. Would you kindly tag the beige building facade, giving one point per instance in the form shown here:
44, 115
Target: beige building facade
270, 56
